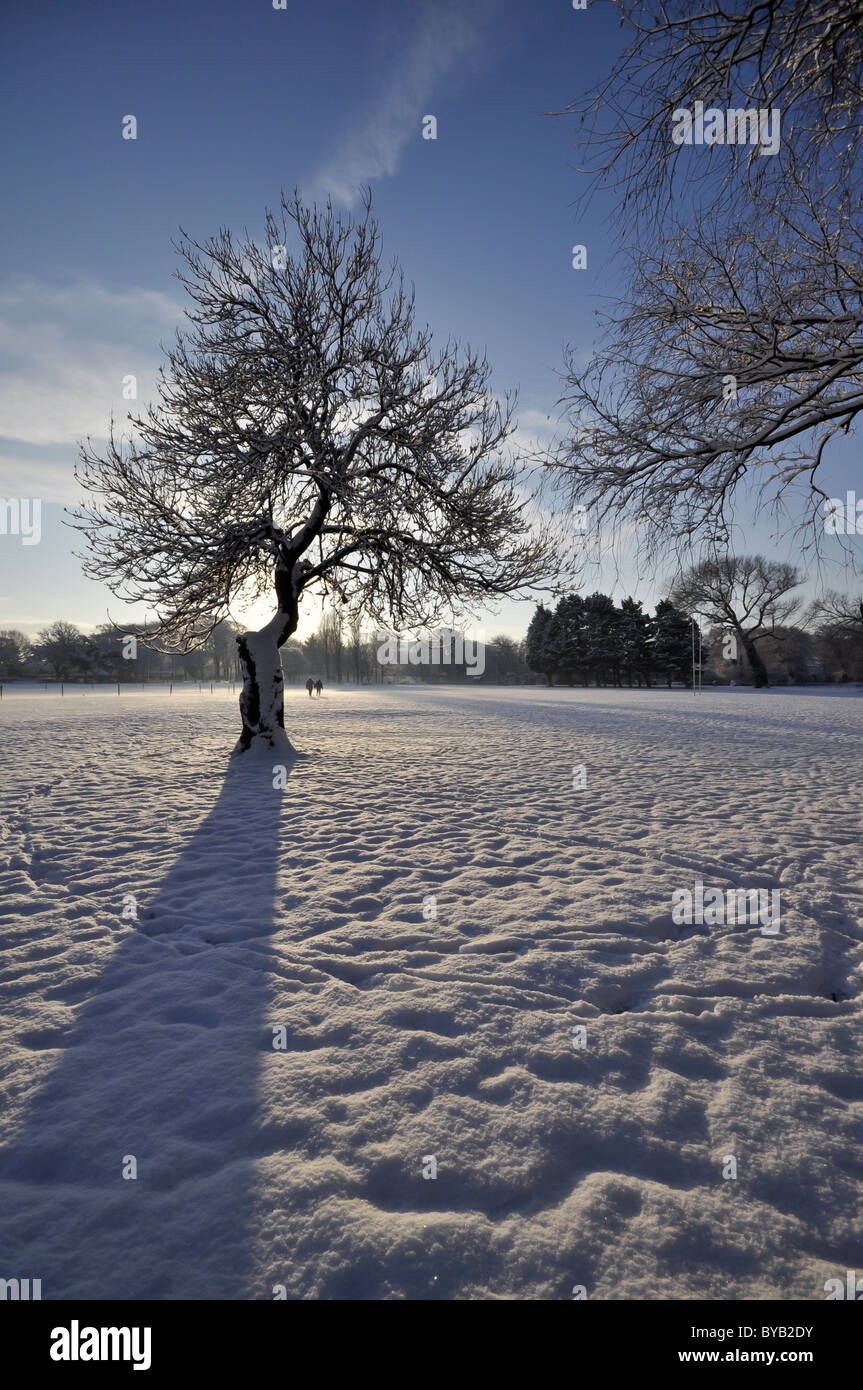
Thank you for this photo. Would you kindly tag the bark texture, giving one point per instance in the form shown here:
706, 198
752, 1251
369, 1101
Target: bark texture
262, 699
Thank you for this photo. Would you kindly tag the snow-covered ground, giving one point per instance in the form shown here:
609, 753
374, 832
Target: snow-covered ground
410, 1035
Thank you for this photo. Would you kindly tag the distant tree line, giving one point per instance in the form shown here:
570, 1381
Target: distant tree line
592, 640
62, 652
338, 652
746, 602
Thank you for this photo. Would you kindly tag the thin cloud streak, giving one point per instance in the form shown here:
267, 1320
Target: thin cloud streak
373, 149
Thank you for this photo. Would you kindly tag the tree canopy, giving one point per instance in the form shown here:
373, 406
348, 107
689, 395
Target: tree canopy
308, 433
736, 357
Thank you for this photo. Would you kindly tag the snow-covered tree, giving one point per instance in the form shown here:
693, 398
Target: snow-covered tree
307, 434
735, 358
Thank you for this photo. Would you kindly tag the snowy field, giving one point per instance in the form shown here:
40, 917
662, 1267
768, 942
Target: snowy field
448, 1036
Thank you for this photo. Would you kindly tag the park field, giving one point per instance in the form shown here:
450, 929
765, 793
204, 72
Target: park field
413, 1016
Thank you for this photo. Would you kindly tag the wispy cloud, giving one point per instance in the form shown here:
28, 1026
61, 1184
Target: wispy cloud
433, 44
64, 352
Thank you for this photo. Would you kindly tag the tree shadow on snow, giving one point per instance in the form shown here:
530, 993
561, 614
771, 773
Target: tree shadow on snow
161, 1067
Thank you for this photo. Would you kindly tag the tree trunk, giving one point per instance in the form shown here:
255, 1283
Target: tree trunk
262, 699
759, 670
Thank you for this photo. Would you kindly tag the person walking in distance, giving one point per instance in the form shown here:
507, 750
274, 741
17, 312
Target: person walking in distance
310, 685
319, 685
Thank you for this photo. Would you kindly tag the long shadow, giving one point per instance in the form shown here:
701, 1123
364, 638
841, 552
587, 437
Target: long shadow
161, 1066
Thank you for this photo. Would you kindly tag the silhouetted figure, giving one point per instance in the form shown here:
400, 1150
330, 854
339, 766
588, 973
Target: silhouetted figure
319, 685
310, 685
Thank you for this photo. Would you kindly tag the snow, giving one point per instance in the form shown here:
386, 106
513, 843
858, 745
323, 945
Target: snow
409, 1035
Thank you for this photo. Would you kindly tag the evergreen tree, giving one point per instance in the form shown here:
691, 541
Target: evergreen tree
602, 633
672, 644
538, 647
636, 631
570, 639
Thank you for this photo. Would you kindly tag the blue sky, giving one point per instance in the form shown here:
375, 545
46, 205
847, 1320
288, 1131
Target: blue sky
235, 101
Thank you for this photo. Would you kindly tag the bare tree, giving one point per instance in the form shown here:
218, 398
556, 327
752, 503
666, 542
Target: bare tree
355, 633
504, 659
803, 58
330, 633
748, 594
841, 612
15, 649
67, 650
838, 622
738, 354
315, 655
731, 359
307, 434
223, 649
